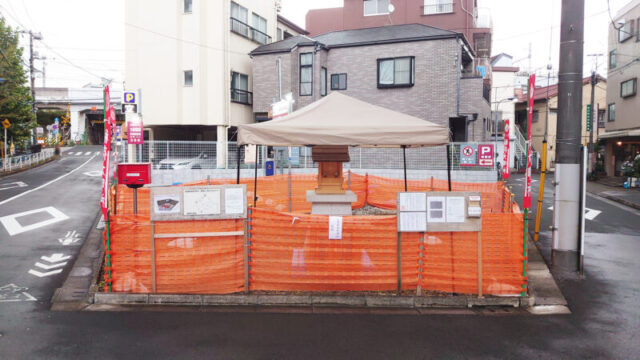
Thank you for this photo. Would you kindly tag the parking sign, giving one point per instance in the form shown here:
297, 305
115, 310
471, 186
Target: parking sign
486, 155
129, 98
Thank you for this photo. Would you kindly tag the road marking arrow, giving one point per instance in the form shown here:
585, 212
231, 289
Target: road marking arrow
72, 237
49, 267
589, 214
14, 293
55, 258
13, 185
40, 274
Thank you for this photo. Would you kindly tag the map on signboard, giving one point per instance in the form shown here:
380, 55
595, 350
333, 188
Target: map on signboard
201, 202
166, 204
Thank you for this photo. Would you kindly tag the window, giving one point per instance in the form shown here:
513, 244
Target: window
239, 19
626, 31
260, 29
376, 7
437, 7
323, 81
628, 88
613, 59
338, 81
612, 112
306, 74
279, 34
188, 78
536, 116
240, 88
396, 72
188, 6
601, 121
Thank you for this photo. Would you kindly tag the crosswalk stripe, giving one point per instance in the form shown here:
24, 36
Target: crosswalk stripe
87, 153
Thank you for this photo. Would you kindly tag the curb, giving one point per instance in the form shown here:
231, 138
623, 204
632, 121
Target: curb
355, 301
79, 287
619, 200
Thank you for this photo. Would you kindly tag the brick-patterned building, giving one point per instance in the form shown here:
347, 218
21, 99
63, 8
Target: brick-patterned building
415, 69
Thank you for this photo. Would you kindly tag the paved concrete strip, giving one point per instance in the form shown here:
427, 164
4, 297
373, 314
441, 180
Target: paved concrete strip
46, 184
542, 286
549, 310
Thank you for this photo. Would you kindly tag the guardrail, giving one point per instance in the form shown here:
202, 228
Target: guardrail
19, 162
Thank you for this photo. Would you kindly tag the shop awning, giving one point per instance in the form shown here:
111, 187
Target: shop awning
619, 134
338, 119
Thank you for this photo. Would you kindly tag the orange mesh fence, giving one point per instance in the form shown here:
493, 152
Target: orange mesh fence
191, 264
273, 192
292, 252
382, 192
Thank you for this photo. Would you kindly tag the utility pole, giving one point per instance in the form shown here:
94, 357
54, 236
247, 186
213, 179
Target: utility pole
32, 74
569, 138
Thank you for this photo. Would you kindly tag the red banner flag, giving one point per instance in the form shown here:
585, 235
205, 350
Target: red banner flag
106, 156
505, 159
526, 203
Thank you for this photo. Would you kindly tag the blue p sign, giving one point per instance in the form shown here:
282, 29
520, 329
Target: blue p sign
129, 98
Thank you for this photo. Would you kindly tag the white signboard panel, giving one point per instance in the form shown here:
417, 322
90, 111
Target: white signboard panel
335, 227
412, 222
201, 202
234, 201
455, 209
413, 201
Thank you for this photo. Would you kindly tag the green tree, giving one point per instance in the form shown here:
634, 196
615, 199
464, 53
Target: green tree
15, 96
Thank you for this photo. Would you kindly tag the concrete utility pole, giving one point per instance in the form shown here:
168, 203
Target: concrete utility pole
569, 138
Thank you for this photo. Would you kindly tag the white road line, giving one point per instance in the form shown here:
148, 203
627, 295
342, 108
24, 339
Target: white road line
13, 227
98, 153
47, 184
41, 274
49, 267
79, 154
13, 185
87, 153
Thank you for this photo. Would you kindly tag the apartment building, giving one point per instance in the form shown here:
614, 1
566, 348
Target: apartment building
546, 106
621, 138
415, 69
462, 16
190, 61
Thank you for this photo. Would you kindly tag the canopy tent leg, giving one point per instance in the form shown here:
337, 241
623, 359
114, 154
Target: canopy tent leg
449, 166
404, 158
255, 179
238, 165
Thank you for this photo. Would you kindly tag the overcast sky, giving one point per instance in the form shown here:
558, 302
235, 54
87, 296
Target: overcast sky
84, 39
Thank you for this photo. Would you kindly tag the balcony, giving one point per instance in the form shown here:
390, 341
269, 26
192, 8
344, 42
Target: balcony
241, 96
249, 32
441, 8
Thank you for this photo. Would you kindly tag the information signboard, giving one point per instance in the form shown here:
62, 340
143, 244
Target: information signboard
215, 202
412, 212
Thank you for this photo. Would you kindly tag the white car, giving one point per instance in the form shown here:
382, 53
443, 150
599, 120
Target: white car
202, 161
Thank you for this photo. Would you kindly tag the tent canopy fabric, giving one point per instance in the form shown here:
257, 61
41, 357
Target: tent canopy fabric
338, 119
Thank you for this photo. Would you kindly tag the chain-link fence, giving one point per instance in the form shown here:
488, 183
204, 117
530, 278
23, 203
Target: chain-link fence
181, 161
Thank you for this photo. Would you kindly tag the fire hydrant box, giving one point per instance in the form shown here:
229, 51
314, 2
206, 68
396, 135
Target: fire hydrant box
136, 174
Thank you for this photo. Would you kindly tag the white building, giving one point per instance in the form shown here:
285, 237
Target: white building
503, 97
189, 59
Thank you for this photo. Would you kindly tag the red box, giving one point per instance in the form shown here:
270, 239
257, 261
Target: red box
134, 174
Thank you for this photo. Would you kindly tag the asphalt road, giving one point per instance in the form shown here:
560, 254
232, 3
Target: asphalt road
605, 322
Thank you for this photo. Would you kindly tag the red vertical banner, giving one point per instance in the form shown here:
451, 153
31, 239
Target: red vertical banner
106, 156
526, 203
505, 159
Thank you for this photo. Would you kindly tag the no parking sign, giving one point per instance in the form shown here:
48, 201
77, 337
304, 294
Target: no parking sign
468, 155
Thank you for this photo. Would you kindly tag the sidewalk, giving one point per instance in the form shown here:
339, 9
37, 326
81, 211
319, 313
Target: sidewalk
608, 190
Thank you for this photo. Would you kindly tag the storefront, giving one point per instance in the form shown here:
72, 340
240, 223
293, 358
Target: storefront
620, 149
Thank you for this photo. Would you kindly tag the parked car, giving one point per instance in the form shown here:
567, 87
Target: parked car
202, 161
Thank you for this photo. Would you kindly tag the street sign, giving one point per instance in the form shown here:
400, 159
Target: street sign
589, 117
486, 155
6, 123
506, 157
468, 155
129, 97
135, 129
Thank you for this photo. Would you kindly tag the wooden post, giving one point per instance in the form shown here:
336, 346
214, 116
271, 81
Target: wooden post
480, 264
399, 261
154, 288
246, 257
